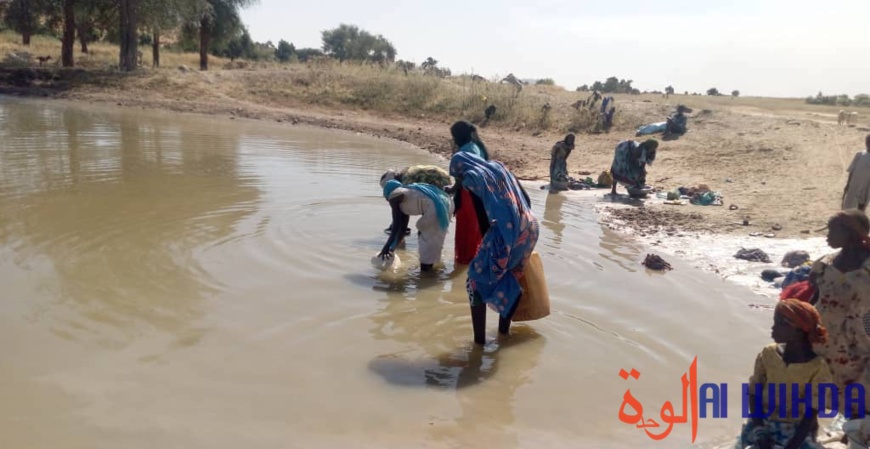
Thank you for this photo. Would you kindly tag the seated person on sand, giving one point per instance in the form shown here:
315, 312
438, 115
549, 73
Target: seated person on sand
629, 165
417, 174
676, 123
434, 207
559, 163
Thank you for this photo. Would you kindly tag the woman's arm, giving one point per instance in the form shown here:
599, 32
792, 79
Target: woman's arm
397, 229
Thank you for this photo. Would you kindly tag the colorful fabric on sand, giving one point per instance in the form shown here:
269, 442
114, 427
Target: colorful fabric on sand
629, 164
802, 290
494, 273
797, 274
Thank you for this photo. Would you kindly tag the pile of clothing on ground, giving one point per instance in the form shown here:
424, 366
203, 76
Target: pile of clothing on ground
585, 184
795, 282
699, 195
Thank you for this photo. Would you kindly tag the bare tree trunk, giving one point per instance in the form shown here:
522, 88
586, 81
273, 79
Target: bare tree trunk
69, 33
155, 49
27, 21
83, 31
129, 37
204, 39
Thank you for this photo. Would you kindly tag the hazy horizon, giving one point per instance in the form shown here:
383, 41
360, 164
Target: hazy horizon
771, 48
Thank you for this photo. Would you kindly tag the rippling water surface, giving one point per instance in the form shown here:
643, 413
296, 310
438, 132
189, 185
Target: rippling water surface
180, 281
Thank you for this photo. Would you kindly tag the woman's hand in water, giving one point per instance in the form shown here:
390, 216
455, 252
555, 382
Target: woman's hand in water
387, 251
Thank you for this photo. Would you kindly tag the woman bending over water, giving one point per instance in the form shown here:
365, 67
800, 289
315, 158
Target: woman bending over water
468, 236
510, 232
434, 207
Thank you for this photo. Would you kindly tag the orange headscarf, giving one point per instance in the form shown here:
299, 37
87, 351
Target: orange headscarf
803, 316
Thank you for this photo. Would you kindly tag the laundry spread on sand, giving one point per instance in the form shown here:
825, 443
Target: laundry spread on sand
752, 255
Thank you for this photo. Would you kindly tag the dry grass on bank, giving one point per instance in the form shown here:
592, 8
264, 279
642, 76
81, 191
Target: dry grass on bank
388, 92
100, 55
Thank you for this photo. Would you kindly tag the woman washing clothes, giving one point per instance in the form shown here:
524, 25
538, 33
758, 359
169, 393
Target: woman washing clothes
510, 232
468, 235
417, 174
435, 208
559, 163
629, 165
842, 280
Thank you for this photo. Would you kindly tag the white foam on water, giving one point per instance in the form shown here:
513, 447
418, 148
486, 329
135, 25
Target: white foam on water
715, 252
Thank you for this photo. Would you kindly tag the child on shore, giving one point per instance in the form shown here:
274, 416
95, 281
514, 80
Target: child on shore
789, 360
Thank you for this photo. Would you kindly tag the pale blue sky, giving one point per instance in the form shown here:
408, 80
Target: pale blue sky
761, 47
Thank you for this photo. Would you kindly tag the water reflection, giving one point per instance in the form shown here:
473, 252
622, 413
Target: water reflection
553, 216
119, 238
434, 326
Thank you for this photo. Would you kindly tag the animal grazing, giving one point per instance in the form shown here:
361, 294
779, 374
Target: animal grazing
841, 117
43, 59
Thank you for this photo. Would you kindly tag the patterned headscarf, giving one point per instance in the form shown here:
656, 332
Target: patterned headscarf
803, 316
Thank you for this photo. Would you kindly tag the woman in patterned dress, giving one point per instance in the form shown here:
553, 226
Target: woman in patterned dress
842, 280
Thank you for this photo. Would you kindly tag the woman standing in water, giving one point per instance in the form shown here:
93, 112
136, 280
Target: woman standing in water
559, 163
629, 164
510, 232
468, 235
843, 283
435, 209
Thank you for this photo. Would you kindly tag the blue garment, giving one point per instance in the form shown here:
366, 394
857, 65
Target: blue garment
798, 274
438, 197
506, 246
472, 148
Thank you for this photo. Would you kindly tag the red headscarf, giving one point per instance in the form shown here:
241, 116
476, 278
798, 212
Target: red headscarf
803, 316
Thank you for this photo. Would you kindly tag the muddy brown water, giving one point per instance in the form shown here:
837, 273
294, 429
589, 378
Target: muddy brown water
185, 281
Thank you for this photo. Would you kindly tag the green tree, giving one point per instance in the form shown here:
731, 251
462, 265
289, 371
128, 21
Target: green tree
712, 91
217, 22
583, 88
304, 54
669, 90
349, 43
546, 82
735, 93
284, 51
23, 17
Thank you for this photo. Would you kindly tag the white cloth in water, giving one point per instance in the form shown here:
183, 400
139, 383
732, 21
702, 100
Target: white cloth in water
391, 262
858, 190
431, 236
